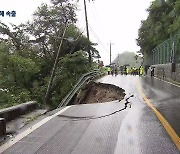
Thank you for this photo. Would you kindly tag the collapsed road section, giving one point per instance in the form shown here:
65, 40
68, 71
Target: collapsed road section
98, 93
76, 118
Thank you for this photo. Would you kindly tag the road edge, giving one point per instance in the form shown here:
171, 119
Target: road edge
175, 138
20, 136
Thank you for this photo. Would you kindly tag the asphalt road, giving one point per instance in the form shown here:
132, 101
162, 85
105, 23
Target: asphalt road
165, 97
108, 128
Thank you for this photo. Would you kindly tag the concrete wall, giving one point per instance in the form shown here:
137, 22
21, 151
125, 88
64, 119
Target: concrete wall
165, 70
2, 126
13, 112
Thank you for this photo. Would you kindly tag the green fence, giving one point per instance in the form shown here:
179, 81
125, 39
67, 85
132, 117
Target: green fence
167, 52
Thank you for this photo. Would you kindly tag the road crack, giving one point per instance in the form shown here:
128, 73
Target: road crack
76, 118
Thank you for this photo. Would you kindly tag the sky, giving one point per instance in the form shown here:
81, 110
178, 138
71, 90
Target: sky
115, 21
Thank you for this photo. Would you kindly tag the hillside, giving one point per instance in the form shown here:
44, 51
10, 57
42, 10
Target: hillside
128, 58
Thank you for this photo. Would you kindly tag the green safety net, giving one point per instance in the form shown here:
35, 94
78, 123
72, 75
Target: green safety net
166, 52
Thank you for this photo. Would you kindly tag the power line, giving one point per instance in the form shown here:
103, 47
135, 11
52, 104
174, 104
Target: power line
77, 41
96, 16
99, 41
82, 20
94, 34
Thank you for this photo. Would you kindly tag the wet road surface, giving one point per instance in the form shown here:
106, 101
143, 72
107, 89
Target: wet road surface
164, 97
93, 129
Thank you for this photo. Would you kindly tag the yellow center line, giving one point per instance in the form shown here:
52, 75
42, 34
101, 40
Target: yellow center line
164, 122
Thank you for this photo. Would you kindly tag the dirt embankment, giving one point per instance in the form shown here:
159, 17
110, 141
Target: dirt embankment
99, 93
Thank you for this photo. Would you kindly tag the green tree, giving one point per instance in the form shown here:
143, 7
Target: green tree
26, 64
16, 74
70, 69
161, 22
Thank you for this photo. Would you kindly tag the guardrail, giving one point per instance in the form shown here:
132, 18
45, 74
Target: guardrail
86, 77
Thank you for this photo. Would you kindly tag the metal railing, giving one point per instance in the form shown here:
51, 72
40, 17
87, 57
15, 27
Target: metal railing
86, 77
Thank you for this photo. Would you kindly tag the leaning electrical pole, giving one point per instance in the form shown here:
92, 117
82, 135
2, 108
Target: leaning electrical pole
87, 31
54, 67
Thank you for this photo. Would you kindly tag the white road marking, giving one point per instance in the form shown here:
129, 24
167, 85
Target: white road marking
11, 142
168, 82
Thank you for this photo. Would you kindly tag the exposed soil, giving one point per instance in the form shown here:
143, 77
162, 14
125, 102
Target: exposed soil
99, 93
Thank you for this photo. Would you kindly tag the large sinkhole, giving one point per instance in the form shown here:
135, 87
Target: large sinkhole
98, 93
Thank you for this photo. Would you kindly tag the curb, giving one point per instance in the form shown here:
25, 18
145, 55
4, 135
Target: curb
169, 81
13, 112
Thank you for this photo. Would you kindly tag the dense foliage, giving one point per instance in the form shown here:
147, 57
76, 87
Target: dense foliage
128, 59
28, 52
162, 21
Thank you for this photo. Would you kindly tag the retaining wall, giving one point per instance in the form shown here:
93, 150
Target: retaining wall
13, 112
18, 110
165, 71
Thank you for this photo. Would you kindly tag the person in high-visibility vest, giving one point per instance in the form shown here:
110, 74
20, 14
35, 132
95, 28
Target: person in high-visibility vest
141, 70
109, 70
127, 70
134, 71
